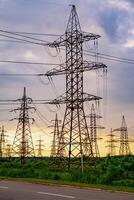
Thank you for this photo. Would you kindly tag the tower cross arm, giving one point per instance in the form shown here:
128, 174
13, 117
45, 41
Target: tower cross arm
90, 97
61, 41
60, 70
120, 129
19, 108
88, 66
63, 100
94, 116
89, 36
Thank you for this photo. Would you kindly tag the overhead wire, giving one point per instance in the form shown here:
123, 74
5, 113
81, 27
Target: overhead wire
28, 63
24, 40
86, 52
41, 129
21, 35
110, 58
42, 117
29, 75
33, 33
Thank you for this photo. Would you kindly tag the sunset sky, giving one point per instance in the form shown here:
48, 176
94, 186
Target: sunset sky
112, 19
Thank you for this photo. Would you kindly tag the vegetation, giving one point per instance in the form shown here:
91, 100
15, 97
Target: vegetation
114, 171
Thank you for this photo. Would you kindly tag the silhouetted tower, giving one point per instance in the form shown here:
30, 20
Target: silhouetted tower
93, 130
8, 150
23, 144
75, 138
56, 136
124, 140
111, 142
40, 147
2, 142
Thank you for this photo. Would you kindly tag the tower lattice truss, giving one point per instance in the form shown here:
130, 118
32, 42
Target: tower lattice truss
124, 148
2, 142
56, 135
40, 147
74, 142
111, 144
93, 130
23, 143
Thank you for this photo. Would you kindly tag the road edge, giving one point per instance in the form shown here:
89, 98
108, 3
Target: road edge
119, 189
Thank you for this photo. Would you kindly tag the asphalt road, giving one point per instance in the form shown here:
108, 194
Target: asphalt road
11, 190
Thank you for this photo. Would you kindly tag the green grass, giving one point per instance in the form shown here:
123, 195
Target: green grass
114, 173
73, 184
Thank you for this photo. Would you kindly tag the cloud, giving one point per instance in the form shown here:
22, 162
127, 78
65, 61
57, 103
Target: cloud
111, 19
129, 44
121, 5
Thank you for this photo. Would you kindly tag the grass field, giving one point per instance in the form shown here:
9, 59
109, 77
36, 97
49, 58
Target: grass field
114, 173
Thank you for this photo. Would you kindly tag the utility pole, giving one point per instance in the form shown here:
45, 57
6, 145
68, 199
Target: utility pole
2, 142
93, 130
111, 142
23, 144
56, 136
124, 140
40, 147
75, 139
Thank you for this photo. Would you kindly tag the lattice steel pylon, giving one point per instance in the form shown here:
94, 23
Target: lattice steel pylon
23, 144
74, 138
111, 142
93, 131
40, 147
2, 142
124, 148
56, 136
8, 150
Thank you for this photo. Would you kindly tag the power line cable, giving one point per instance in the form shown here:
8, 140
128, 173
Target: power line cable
41, 129
21, 75
26, 62
108, 55
111, 59
19, 39
33, 33
87, 52
23, 36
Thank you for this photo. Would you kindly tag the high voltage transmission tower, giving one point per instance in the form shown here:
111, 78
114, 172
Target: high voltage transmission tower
23, 144
75, 138
2, 142
40, 147
56, 136
8, 151
111, 142
93, 131
124, 139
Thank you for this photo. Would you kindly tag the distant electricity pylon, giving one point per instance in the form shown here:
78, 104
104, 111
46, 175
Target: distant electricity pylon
75, 138
56, 136
124, 139
93, 131
111, 144
23, 144
2, 142
40, 147
8, 150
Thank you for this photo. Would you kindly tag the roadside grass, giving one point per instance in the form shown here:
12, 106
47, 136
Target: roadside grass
110, 173
72, 184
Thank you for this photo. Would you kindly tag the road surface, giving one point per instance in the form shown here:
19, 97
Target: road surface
11, 190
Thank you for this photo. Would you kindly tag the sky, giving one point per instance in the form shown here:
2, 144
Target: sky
112, 19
